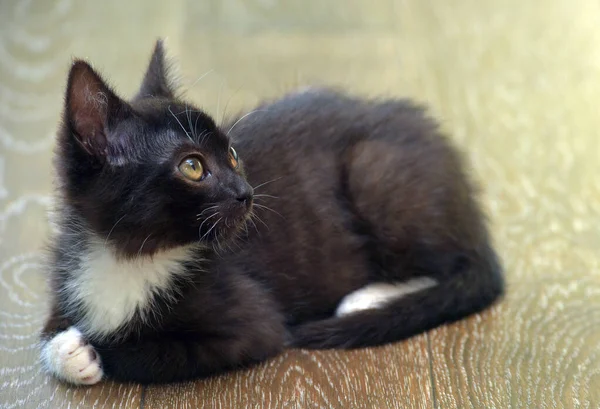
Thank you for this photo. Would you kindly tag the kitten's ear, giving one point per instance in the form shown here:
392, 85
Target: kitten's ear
156, 81
92, 108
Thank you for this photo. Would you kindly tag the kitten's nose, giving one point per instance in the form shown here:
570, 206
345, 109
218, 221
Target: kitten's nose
245, 196
244, 199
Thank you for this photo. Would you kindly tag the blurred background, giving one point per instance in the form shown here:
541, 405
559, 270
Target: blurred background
515, 83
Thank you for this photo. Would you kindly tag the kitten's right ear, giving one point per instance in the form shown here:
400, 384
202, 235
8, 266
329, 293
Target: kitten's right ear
91, 108
156, 81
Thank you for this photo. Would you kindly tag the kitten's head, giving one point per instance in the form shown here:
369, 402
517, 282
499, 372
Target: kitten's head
151, 173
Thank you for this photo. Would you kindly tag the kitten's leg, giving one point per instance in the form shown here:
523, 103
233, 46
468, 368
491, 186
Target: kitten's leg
176, 357
166, 358
211, 330
66, 354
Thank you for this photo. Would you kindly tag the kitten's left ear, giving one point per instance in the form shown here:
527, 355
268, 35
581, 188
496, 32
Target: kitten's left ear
92, 109
156, 81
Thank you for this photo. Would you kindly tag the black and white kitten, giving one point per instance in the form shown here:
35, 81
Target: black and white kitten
366, 230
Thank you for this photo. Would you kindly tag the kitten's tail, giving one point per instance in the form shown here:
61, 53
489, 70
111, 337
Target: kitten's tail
466, 292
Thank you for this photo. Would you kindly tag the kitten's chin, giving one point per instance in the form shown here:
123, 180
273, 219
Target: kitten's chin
226, 229
230, 228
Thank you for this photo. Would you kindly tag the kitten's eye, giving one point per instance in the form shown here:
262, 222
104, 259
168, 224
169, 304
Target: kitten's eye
233, 158
192, 168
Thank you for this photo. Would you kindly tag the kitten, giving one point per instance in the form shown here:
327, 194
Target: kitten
362, 228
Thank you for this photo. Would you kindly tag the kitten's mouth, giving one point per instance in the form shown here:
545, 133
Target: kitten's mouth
232, 224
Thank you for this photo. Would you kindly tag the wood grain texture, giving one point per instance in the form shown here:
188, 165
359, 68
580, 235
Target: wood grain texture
516, 85
539, 346
395, 376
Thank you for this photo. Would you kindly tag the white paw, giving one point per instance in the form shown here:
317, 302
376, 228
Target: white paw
69, 357
377, 295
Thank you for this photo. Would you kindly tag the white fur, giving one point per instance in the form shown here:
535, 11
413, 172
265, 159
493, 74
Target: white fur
69, 357
112, 290
377, 295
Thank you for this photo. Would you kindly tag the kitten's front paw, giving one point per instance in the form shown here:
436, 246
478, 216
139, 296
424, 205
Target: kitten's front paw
68, 356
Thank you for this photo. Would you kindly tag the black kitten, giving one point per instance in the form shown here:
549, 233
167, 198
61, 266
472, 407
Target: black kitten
365, 230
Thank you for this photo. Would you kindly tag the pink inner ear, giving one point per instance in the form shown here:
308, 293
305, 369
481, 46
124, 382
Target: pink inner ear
90, 101
90, 134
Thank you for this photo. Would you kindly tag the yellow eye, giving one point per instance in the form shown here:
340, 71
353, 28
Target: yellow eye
233, 158
192, 168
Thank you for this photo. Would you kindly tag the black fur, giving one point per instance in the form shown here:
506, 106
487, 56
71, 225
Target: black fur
346, 192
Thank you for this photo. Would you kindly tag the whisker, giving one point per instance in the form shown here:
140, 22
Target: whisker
199, 216
204, 134
142, 246
206, 210
254, 224
244, 116
227, 104
235, 240
111, 230
195, 130
260, 220
189, 118
268, 208
180, 124
264, 195
270, 181
219, 98
200, 78
209, 230
205, 220
218, 247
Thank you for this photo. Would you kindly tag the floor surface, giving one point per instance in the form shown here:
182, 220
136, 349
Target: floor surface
515, 83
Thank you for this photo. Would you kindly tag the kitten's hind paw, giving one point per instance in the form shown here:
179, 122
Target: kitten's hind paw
69, 357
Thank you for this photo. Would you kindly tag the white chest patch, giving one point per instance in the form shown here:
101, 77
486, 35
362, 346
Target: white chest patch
377, 295
111, 291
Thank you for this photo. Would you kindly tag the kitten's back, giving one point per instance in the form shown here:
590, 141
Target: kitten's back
368, 192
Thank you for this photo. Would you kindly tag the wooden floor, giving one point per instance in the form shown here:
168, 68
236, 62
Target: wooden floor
517, 85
